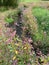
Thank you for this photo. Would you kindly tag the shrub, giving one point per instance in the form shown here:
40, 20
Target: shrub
2, 9
9, 3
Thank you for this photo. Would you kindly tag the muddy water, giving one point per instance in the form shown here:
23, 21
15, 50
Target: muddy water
20, 22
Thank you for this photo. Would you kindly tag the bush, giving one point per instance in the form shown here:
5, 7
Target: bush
9, 3
2, 9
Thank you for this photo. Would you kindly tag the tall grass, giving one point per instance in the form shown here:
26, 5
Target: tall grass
42, 16
29, 0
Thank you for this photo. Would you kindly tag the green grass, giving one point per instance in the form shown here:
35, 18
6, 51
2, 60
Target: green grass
29, 0
42, 16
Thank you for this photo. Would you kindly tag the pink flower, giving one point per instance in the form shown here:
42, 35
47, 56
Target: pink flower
13, 34
16, 24
30, 40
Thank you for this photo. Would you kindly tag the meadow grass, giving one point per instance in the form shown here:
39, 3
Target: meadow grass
29, 0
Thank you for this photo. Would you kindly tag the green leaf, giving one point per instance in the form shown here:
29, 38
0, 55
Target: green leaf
9, 20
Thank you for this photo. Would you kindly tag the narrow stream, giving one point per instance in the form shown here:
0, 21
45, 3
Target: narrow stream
20, 21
